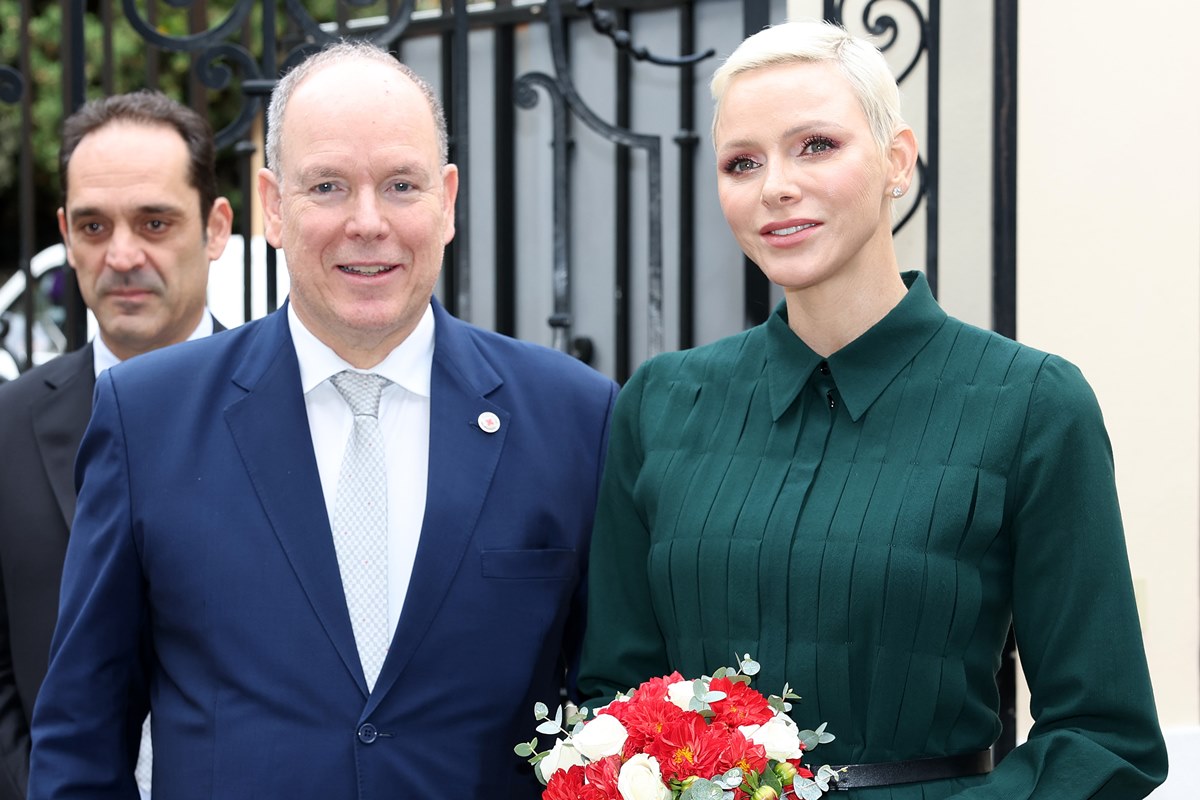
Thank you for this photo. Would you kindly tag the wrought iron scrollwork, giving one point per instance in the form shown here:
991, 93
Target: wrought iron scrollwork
605, 23
384, 35
234, 21
214, 45
12, 85
215, 75
525, 96
561, 87
886, 29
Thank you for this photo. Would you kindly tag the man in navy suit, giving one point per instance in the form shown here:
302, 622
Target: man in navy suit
141, 220
203, 578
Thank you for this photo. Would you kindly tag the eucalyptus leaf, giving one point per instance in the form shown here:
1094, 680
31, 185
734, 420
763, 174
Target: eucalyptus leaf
806, 789
549, 727
540, 711
826, 774
702, 789
523, 750
730, 780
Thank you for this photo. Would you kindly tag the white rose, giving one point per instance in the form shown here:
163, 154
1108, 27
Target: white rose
779, 736
563, 756
681, 693
641, 779
603, 736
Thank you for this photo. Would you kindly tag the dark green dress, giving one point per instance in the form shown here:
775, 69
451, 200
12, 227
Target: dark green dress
866, 527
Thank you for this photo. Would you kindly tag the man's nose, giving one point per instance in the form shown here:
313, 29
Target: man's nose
367, 220
124, 251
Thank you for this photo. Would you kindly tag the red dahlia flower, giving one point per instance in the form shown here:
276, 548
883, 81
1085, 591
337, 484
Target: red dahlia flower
687, 747
741, 706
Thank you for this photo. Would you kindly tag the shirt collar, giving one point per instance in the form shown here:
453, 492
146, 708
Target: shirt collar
866, 366
408, 365
103, 358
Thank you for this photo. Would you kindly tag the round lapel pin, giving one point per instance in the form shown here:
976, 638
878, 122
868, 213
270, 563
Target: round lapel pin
488, 422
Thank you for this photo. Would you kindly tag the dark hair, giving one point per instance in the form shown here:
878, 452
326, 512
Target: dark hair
147, 107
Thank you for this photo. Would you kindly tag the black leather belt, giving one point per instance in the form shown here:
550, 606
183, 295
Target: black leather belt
861, 776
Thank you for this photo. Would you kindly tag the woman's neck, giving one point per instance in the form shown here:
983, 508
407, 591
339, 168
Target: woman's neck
830, 315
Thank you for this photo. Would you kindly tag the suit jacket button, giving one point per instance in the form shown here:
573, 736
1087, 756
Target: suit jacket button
367, 733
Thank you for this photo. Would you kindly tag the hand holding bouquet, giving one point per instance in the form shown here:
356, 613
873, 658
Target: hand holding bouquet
712, 738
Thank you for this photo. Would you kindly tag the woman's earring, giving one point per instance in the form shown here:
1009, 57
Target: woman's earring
897, 191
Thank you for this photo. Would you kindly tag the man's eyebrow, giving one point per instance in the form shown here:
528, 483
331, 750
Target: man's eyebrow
162, 209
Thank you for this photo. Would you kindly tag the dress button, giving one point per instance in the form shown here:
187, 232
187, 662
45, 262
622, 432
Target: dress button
367, 733
824, 367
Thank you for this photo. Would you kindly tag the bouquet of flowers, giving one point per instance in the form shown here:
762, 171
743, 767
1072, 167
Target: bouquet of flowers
712, 738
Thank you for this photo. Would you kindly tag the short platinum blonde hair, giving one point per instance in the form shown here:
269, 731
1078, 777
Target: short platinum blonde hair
812, 41
338, 53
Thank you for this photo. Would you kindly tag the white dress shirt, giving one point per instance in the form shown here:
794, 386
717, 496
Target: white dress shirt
103, 358
404, 422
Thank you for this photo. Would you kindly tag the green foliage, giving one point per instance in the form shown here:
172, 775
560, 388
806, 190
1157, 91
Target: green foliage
41, 82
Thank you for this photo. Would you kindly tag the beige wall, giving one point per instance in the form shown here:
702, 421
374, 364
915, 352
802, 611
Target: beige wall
1109, 276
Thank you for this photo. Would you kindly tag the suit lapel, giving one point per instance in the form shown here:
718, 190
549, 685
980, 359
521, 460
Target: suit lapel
59, 420
462, 461
270, 428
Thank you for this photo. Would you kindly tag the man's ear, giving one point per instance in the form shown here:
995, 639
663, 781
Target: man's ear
269, 196
449, 196
220, 225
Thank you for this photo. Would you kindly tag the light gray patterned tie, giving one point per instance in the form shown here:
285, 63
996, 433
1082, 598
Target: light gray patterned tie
360, 521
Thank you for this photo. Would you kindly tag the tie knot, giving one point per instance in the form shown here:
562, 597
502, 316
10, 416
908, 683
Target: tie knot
361, 390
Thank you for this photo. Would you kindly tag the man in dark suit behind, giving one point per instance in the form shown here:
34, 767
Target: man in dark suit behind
338, 551
141, 221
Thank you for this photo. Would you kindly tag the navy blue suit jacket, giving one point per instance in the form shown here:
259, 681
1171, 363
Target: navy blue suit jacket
201, 579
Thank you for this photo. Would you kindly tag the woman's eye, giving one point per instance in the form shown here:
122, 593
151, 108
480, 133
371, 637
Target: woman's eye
818, 144
740, 164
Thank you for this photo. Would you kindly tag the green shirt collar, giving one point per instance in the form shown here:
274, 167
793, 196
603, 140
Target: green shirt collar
862, 369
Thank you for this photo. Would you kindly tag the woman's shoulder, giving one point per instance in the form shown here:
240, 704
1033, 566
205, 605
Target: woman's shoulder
717, 360
1022, 370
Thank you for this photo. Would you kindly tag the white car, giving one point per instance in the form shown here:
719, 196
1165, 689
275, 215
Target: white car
225, 300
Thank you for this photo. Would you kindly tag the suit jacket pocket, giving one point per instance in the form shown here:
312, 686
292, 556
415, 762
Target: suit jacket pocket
526, 565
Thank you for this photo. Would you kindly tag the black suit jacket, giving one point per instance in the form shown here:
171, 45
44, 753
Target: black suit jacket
42, 418
43, 415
